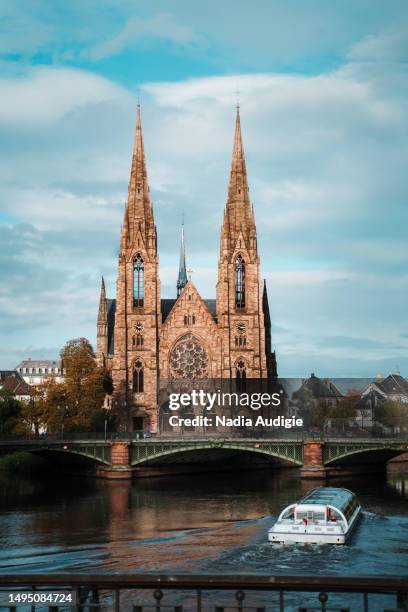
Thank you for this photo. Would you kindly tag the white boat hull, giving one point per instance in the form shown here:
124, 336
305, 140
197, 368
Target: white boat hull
314, 534
312, 538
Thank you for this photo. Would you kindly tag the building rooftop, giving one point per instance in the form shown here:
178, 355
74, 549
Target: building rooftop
39, 363
16, 385
6, 373
167, 305
394, 383
321, 387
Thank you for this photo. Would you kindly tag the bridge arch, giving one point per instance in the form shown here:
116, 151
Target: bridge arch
170, 452
97, 455
380, 453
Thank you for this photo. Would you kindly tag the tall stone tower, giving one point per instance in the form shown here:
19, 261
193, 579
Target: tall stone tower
240, 313
137, 316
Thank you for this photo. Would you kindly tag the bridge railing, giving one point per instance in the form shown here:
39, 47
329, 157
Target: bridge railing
279, 434
180, 593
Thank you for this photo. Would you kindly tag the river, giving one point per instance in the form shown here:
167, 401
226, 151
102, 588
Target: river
200, 523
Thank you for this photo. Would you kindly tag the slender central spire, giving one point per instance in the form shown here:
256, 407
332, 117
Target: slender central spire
102, 302
182, 275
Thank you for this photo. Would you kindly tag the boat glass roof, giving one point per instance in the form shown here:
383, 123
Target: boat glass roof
334, 496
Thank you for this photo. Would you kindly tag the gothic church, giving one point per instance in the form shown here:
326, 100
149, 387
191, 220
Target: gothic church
142, 338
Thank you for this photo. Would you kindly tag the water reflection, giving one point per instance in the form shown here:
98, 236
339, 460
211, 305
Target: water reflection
203, 522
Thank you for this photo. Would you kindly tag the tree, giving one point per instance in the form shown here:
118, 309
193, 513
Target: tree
10, 410
72, 404
84, 385
305, 403
33, 417
303, 398
394, 414
345, 409
102, 418
322, 414
52, 404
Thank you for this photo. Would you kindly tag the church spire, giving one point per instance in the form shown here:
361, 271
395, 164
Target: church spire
239, 216
182, 275
102, 328
139, 211
238, 179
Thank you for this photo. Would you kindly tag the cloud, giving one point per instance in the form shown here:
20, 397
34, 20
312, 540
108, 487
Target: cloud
390, 46
308, 277
62, 210
22, 30
44, 95
160, 26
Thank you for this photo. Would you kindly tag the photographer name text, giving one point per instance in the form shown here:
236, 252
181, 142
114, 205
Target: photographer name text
238, 421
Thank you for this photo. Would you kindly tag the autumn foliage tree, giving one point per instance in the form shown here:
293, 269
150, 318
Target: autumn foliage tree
33, 416
72, 404
10, 410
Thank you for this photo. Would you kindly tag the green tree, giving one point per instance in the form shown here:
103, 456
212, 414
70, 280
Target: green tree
100, 417
33, 416
10, 410
305, 404
322, 414
52, 404
345, 410
394, 414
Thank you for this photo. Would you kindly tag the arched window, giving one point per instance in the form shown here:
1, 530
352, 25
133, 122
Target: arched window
240, 375
138, 281
138, 377
240, 282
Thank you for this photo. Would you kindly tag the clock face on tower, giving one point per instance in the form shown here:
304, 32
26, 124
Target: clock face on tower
138, 327
241, 327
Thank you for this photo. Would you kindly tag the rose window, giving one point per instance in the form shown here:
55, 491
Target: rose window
189, 359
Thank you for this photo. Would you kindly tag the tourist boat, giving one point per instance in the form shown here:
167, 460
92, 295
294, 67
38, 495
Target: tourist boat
324, 515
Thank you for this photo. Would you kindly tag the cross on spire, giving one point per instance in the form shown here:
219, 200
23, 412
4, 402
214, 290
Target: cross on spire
237, 92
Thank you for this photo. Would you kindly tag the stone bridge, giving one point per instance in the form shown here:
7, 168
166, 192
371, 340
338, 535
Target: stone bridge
121, 458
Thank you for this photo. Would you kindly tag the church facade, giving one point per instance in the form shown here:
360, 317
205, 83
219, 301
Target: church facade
142, 338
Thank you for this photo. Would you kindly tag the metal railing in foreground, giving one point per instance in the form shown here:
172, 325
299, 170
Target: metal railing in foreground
221, 593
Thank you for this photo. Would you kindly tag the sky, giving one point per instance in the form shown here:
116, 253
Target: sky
323, 93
